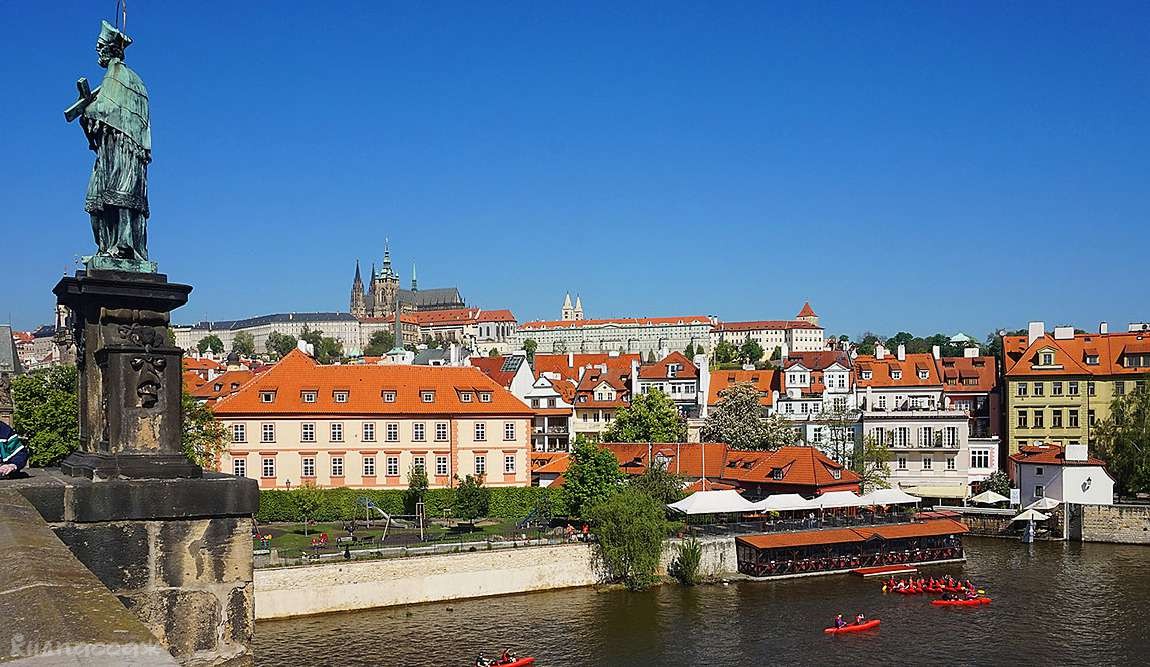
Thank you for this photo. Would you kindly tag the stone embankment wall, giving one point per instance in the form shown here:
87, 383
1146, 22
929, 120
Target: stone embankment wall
347, 586
1123, 524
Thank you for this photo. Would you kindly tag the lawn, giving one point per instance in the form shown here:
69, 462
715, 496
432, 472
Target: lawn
290, 537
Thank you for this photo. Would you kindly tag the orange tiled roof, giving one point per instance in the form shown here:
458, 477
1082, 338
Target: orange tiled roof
502, 315
555, 464
658, 370
818, 361
202, 364
765, 381
882, 370
803, 466
225, 384
703, 484
192, 380
493, 368
931, 528
621, 321
764, 325
558, 363
807, 311
957, 372
1053, 455
686, 459
365, 385
1020, 358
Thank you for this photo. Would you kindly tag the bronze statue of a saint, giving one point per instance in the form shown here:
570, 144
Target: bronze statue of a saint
116, 122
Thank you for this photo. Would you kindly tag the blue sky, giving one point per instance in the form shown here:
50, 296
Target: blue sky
904, 166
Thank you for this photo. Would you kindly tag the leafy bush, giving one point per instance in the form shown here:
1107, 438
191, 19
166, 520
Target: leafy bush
340, 504
47, 414
685, 565
630, 527
472, 499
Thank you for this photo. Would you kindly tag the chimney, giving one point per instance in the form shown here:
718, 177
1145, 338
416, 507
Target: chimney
1034, 331
1063, 333
901, 352
970, 352
570, 360
936, 351
879, 351
1104, 328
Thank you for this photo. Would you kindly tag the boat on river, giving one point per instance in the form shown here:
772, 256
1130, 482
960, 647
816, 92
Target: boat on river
972, 602
857, 627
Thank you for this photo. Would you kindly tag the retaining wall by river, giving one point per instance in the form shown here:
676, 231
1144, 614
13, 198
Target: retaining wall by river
347, 586
1121, 524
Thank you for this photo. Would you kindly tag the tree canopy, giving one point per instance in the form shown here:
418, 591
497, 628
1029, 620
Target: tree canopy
651, 417
750, 351
529, 346
592, 476
210, 342
659, 483
203, 438
1122, 440
737, 419
630, 527
327, 350
47, 413
244, 344
872, 464
278, 344
471, 498
380, 343
725, 352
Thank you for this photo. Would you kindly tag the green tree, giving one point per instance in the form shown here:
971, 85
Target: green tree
210, 342
203, 438
725, 352
46, 413
651, 357
417, 485
993, 345
1122, 440
689, 351
278, 344
900, 338
592, 476
737, 419
171, 336
244, 344
529, 346
777, 353
840, 435
872, 464
327, 350
471, 498
659, 483
998, 482
651, 417
867, 343
780, 432
380, 343
493, 352
685, 565
305, 502
750, 351
630, 527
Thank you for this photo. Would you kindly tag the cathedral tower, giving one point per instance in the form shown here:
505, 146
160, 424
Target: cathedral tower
358, 306
568, 311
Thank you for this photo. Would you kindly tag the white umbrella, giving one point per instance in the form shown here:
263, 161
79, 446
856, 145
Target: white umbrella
783, 502
889, 497
713, 502
1030, 515
989, 497
835, 499
1043, 504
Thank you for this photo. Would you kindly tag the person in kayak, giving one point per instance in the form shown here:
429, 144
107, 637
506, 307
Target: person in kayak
860, 618
506, 658
481, 661
839, 622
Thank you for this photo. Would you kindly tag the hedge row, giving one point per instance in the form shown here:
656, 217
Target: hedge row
340, 504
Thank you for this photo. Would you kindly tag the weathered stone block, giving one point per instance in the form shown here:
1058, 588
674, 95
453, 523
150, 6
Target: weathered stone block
117, 553
239, 626
185, 621
204, 552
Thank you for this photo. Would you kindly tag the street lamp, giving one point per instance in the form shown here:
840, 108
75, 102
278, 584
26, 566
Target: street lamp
288, 483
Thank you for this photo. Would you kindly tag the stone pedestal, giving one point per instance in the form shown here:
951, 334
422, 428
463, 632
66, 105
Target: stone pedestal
130, 375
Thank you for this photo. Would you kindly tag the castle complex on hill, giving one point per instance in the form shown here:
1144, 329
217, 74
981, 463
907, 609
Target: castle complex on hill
379, 297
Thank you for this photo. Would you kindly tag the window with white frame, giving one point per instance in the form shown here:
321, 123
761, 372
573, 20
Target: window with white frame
979, 458
896, 375
480, 464
441, 431
950, 436
419, 432
881, 402
902, 436
369, 431
923, 374
307, 396
927, 463
267, 397
950, 465
307, 432
427, 396
508, 431
340, 396
336, 432
369, 466
393, 466
388, 396
925, 436
508, 464
419, 463
391, 429
902, 463
307, 464
484, 397
480, 431
239, 432
1039, 491
267, 433
441, 466
465, 396
240, 467
337, 466
268, 467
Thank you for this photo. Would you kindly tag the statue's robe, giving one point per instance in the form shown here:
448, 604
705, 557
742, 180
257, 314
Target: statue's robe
118, 125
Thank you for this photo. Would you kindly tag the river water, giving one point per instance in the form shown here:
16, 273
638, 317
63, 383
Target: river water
1054, 604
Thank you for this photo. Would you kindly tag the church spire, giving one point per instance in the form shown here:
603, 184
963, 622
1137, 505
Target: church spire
414, 284
358, 279
386, 257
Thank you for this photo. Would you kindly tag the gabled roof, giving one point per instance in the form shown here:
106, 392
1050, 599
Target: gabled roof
765, 381
9, 358
686, 459
621, 322
501, 315
659, 369
959, 372
365, 386
501, 369
818, 361
882, 371
225, 384
569, 366
764, 325
802, 466
1071, 354
1052, 455
807, 311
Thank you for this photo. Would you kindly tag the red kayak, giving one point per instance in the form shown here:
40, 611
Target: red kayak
974, 602
518, 662
858, 627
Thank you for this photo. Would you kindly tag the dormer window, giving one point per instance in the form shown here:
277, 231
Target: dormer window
896, 375
267, 397
388, 396
866, 375
339, 396
427, 396
776, 473
673, 370
1092, 359
923, 374
465, 396
836, 473
484, 397
307, 396
1047, 358
219, 387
